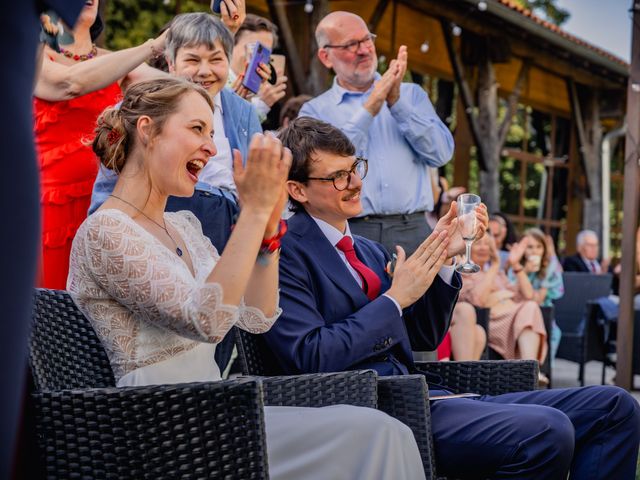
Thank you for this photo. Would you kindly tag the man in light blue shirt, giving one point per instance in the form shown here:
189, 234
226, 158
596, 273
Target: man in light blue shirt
392, 124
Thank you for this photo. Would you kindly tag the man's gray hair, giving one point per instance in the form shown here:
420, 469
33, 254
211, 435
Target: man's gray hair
582, 236
194, 29
322, 38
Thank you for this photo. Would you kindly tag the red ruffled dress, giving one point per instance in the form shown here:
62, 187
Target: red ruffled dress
68, 169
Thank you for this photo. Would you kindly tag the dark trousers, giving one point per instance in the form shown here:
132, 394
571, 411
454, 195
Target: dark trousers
408, 231
217, 214
593, 432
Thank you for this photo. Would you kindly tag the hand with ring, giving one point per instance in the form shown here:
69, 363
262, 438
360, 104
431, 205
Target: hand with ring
233, 13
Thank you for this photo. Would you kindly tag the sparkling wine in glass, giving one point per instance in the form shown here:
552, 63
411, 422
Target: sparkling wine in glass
467, 222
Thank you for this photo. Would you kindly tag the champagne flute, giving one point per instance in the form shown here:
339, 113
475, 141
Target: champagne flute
467, 222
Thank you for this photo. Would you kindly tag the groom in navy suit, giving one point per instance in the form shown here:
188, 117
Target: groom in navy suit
345, 307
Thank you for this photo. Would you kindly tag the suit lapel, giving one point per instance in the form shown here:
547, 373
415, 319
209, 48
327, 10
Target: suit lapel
325, 255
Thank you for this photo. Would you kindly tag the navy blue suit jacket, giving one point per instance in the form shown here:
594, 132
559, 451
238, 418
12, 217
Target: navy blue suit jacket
329, 324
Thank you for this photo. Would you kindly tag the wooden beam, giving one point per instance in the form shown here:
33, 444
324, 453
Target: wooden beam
624, 342
463, 88
278, 13
513, 102
377, 15
583, 143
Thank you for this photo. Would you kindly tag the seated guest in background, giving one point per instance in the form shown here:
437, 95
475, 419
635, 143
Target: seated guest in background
198, 48
586, 258
291, 107
256, 29
466, 339
541, 280
391, 123
343, 310
72, 88
516, 327
504, 235
160, 297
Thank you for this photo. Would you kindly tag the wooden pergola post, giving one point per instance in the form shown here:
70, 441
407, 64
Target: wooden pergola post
624, 367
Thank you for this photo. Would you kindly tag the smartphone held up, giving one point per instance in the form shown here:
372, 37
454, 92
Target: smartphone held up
215, 6
252, 79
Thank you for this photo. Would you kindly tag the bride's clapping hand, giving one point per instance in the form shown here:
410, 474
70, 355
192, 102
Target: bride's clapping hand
261, 182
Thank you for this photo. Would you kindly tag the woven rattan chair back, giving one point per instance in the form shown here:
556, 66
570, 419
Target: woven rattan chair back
256, 358
64, 350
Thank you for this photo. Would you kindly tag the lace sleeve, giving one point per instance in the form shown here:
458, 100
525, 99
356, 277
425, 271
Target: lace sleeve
250, 318
140, 275
253, 320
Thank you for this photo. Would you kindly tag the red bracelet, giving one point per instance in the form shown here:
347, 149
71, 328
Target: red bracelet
270, 245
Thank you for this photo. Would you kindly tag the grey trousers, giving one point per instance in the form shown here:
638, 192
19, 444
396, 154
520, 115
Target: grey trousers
407, 230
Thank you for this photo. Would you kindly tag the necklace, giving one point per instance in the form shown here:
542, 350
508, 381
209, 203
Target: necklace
80, 58
164, 227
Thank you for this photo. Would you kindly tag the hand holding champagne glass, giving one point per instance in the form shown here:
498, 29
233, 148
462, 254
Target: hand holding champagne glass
467, 222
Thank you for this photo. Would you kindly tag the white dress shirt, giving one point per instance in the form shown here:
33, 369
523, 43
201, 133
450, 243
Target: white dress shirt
595, 263
334, 236
218, 172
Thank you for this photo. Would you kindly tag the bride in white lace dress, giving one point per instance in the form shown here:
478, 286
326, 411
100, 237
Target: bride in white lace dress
160, 297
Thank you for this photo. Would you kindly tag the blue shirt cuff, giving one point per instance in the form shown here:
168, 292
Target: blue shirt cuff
362, 119
401, 110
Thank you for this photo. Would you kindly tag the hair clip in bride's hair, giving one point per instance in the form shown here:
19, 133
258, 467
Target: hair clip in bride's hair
114, 136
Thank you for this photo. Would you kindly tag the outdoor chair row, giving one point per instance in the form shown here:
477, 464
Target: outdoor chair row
88, 428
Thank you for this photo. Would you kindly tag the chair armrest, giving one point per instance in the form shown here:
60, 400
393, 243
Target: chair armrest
405, 397
487, 377
203, 430
357, 387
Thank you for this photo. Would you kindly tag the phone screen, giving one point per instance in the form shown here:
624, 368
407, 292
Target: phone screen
252, 79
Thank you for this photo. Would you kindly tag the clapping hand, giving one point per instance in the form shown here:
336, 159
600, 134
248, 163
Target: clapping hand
401, 67
261, 182
517, 251
414, 275
449, 222
387, 89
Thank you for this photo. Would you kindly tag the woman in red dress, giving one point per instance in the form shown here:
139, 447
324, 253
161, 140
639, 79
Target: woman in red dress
73, 88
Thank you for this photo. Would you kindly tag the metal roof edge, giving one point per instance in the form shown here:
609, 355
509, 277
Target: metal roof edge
513, 16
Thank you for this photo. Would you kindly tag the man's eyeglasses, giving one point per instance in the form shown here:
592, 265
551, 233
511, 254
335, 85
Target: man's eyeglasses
342, 178
354, 45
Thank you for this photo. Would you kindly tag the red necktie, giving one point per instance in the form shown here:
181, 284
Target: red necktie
593, 266
370, 281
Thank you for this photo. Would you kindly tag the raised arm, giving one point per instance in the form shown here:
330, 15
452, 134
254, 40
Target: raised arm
260, 186
61, 82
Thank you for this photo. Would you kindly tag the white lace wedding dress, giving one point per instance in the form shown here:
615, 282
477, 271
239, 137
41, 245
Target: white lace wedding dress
159, 324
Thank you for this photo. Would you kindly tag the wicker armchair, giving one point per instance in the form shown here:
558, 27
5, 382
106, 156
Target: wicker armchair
89, 429
405, 397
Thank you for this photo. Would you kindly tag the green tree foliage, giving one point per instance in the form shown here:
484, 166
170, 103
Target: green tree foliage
131, 22
547, 8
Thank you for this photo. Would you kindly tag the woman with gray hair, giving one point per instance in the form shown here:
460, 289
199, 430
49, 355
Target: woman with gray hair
199, 48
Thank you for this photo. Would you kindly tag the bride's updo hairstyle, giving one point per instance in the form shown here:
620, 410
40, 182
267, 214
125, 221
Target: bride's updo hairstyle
115, 131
